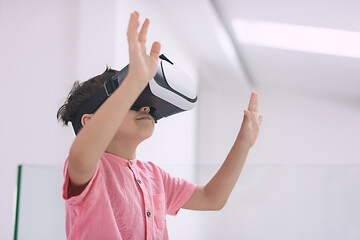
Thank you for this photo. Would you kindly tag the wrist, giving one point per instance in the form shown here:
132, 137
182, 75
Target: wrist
242, 145
135, 82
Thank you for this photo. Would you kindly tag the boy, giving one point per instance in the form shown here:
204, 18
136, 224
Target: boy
111, 195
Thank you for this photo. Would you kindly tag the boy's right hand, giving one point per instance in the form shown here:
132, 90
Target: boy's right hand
142, 67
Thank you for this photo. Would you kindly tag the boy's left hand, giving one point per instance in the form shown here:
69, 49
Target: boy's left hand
251, 123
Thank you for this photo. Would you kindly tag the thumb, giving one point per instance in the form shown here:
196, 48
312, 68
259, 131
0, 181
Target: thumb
246, 114
247, 117
155, 51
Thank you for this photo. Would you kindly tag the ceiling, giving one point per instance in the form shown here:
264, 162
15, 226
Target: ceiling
208, 30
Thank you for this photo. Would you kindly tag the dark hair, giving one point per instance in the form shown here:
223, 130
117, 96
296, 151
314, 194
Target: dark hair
80, 93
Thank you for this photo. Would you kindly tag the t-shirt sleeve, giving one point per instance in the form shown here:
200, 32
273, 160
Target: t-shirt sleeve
88, 194
177, 192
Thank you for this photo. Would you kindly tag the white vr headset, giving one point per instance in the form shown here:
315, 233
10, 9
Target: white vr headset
171, 91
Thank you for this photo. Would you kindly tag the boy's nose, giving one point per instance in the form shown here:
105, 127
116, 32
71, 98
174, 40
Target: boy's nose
145, 109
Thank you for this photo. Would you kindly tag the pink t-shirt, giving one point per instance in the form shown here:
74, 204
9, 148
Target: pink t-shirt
125, 199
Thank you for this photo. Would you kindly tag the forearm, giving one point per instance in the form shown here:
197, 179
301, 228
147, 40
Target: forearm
220, 186
95, 136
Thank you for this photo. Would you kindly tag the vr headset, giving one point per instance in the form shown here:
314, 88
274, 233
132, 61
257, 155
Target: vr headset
171, 91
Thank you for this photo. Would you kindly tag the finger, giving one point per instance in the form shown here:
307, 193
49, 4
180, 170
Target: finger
155, 51
133, 27
247, 116
253, 103
143, 31
260, 119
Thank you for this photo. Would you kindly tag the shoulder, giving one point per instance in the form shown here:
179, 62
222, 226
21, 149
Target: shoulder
148, 166
151, 169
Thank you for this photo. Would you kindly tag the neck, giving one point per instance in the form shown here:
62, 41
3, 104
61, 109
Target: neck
123, 148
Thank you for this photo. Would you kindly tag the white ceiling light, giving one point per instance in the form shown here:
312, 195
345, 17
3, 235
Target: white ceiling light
298, 37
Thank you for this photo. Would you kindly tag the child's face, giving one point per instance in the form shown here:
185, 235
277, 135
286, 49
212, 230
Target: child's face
137, 125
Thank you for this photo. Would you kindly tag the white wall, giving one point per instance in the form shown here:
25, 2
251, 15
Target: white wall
45, 46
309, 129
37, 45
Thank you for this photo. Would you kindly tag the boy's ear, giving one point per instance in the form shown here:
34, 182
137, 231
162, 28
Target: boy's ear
86, 117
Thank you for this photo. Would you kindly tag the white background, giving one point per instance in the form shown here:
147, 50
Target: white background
46, 45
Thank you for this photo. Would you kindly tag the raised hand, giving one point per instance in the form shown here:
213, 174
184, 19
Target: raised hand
142, 67
251, 123
215, 193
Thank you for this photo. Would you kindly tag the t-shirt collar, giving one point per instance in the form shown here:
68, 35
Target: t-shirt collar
119, 159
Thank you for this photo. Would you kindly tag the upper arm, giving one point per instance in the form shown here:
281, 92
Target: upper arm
200, 200
87, 190
79, 176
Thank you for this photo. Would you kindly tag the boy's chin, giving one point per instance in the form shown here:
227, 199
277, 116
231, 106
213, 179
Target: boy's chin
147, 133
139, 136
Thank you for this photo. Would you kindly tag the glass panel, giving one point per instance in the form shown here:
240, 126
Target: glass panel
288, 202
40, 211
